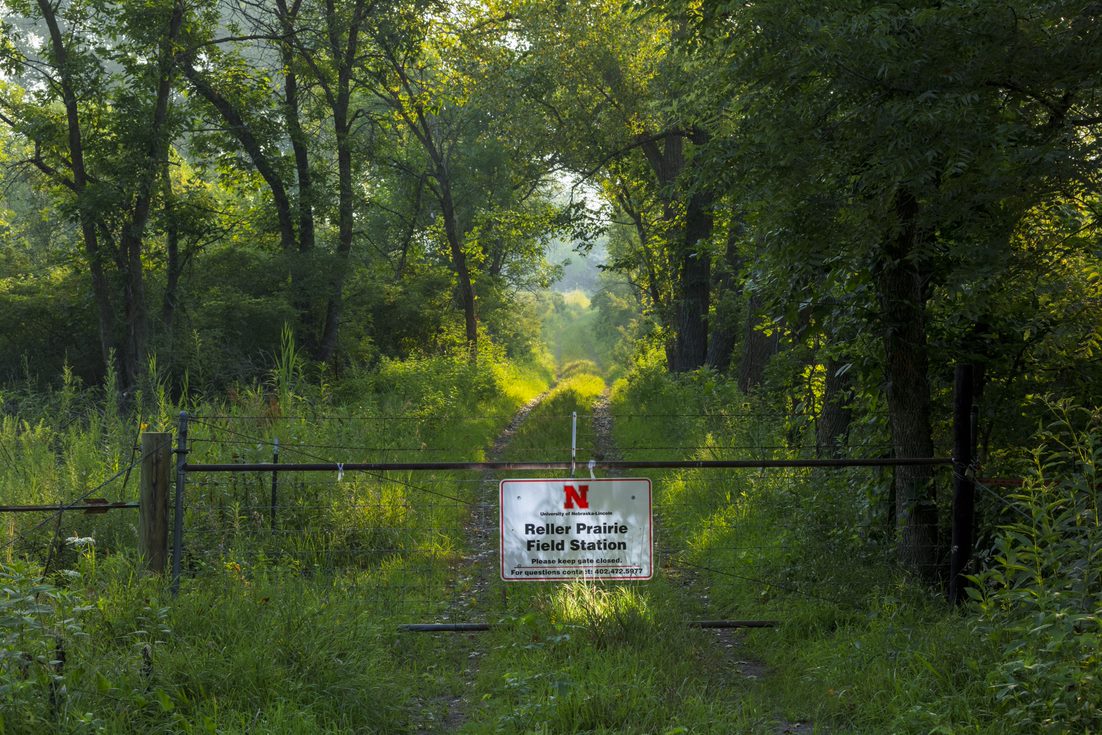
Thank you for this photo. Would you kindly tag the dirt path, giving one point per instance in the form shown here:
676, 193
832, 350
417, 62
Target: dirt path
477, 568
602, 429
474, 578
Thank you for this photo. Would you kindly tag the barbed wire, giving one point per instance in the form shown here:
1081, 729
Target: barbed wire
546, 449
292, 448
1004, 501
438, 417
61, 508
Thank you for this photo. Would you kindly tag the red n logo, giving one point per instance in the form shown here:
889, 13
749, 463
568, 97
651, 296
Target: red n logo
579, 496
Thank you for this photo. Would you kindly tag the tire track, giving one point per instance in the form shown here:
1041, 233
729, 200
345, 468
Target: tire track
474, 579
730, 646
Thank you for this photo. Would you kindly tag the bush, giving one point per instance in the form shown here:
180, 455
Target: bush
37, 621
1041, 597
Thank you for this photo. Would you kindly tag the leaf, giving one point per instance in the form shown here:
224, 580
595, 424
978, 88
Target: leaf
165, 701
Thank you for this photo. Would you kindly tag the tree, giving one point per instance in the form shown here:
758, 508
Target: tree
895, 150
444, 73
426, 99
103, 155
617, 98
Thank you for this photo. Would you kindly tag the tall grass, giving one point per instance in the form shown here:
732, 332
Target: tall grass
597, 657
276, 632
860, 647
296, 630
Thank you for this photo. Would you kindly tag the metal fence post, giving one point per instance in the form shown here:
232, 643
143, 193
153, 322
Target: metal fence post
573, 441
153, 500
275, 480
964, 487
178, 519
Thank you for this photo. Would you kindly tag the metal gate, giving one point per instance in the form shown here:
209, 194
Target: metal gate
419, 539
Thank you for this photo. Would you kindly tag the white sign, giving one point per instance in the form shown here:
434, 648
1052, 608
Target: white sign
576, 529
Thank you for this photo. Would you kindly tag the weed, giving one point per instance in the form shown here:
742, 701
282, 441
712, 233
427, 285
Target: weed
1041, 597
284, 631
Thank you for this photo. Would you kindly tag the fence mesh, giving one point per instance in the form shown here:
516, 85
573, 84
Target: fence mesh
426, 543
56, 537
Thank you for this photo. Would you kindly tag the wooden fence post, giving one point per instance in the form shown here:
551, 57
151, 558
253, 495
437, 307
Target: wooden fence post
153, 502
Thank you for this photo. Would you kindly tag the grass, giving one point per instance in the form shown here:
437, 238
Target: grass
860, 649
297, 631
599, 657
292, 631
279, 634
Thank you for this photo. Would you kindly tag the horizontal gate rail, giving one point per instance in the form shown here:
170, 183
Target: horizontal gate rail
536, 466
482, 627
86, 507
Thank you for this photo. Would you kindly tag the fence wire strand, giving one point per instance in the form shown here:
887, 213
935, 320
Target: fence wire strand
410, 536
372, 527
52, 514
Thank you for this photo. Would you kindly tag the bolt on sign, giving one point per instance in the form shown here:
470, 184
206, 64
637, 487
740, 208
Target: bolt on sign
554, 530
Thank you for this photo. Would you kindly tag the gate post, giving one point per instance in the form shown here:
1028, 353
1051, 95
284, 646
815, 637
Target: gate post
964, 486
573, 441
275, 481
178, 518
153, 501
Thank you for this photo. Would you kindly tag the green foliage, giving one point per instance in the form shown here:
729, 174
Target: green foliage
842, 109
50, 326
1040, 597
37, 621
571, 330
285, 625
784, 156
858, 649
596, 657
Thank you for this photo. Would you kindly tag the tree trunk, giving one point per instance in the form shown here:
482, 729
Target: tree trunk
726, 291
133, 234
137, 316
693, 285
302, 164
459, 259
300, 266
832, 425
686, 229
238, 128
172, 257
335, 306
101, 289
757, 347
344, 56
411, 230
901, 290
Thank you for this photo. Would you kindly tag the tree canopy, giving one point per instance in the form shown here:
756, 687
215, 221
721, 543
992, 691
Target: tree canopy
848, 196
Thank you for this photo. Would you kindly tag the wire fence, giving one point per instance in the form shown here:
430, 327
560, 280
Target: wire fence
54, 533
395, 537
426, 541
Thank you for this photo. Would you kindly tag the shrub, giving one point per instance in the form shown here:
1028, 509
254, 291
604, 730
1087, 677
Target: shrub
37, 621
1041, 597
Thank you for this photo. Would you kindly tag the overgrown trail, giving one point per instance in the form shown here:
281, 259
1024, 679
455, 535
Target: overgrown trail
476, 570
730, 649
602, 428
583, 657
474, 575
